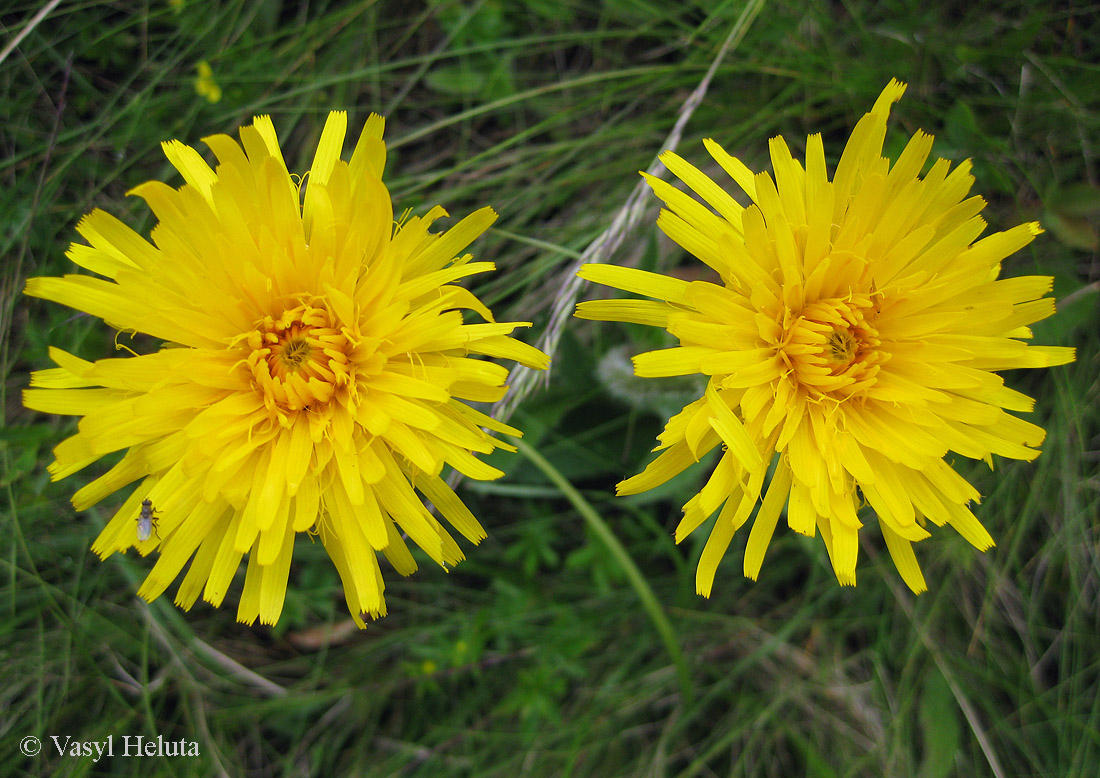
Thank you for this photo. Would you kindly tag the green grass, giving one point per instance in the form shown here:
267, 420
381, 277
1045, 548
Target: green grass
542, 654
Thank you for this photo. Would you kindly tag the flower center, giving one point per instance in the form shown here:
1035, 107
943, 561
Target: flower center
301, 359
832, 348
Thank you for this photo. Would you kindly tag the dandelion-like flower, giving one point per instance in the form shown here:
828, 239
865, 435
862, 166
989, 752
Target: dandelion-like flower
852, 341
312, 379
205, 84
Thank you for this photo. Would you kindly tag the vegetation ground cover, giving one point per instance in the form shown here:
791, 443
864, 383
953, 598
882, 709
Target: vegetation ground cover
539, 655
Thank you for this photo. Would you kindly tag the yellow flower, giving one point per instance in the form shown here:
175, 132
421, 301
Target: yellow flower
205, 85
311, 379
852, 341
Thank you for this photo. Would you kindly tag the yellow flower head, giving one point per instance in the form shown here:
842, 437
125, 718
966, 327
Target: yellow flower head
205, 85
853, 340
312, 378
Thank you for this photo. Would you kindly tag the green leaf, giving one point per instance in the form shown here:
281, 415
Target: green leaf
1074, 231
20, 447
939, 723
961, 127
456, 80
1078, 315
1074, 200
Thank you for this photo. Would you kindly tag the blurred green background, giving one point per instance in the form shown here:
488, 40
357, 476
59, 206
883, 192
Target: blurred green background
536, 657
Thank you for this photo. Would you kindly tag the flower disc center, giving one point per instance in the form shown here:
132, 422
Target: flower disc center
301, 358
294, 352
832, 348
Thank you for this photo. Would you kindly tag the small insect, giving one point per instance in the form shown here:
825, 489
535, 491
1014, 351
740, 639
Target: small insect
146, 522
